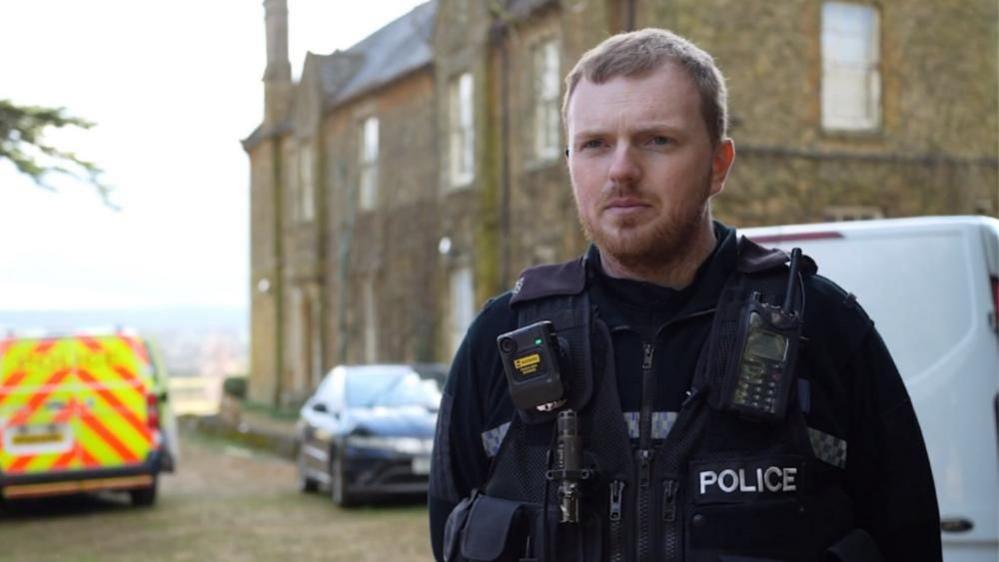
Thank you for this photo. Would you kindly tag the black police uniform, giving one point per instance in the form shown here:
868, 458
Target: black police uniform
865, 466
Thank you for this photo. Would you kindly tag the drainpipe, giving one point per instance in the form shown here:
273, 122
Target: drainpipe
504, 159
342, 274
278, 273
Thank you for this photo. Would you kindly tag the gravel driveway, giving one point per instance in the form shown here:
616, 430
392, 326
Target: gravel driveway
225, 504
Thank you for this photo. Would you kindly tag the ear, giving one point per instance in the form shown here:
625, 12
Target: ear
721, 163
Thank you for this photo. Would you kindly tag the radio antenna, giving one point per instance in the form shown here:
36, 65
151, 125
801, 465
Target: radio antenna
792, 281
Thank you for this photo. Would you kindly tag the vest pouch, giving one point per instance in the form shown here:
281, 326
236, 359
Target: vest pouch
454, 526
495, 530
749, 509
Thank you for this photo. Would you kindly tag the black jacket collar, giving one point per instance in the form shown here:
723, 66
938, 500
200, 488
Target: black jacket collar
572, 277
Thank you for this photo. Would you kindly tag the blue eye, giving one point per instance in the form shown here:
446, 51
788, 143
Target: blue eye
660, 140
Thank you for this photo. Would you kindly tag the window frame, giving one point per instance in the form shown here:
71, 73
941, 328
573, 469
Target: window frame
369, 149
870, 118
369, 304
307, 183
461, 314
461, 130
546, 129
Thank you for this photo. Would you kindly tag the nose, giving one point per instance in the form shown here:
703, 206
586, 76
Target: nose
625, 168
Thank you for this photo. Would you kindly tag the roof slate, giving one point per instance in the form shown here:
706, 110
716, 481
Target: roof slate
394, 50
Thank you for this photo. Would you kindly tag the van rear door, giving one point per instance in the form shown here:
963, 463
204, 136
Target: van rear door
37, 406
114, 384
73, 403
928, 285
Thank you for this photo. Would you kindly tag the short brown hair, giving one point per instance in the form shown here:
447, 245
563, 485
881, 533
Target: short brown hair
639, 52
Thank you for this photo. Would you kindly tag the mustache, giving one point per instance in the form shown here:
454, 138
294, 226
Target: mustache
616, 193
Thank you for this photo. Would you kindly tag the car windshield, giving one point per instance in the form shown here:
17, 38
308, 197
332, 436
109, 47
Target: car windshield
394, 386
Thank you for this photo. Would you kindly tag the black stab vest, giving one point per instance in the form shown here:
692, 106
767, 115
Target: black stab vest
719, 488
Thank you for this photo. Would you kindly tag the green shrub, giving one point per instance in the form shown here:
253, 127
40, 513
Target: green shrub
235, 387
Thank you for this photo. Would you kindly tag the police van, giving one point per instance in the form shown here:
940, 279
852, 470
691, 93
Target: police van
81, 413
931, 285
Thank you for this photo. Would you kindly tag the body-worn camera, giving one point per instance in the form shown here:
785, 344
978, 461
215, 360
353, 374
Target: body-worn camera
530, 358
758, 384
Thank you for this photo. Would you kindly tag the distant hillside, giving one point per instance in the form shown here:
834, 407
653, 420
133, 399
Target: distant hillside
194, 341
192, 319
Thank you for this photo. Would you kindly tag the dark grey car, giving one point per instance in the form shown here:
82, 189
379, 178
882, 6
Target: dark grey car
368, 430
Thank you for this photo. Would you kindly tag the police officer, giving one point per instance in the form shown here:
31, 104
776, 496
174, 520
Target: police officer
726, 402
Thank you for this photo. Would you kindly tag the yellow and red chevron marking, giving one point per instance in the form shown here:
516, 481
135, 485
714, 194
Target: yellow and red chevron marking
112, 399
96, 386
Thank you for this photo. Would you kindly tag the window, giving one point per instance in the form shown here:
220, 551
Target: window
851, 79
462, 305
370, 322
462, 130
315, 341
369, 163
292, 172
296, 333
546, 101
307, 200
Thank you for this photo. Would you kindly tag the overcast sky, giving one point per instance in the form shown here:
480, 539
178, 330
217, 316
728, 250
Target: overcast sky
173, 87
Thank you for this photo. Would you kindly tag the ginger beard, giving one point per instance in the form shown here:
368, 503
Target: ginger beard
641, 243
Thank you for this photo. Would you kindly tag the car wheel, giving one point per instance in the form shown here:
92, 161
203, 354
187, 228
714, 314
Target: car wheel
144, 497
305, 484
339, 490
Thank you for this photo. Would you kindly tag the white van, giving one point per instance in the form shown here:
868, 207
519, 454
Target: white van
931, 285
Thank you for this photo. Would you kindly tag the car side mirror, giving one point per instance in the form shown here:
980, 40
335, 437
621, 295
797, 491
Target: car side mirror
320, 407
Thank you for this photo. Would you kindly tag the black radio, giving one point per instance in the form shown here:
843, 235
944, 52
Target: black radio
758, 384
530, 358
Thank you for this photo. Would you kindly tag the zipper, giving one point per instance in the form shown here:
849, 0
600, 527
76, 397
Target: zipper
616, 540
645, 453
671, 543
670, 488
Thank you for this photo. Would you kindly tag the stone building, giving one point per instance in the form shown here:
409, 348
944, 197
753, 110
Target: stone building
403, 181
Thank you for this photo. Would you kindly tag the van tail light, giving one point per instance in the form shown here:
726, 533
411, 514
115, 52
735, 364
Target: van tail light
995, 296
797, 237
152, 413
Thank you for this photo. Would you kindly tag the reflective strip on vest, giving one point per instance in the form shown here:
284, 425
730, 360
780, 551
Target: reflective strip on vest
828, 448
493, 439
662, 422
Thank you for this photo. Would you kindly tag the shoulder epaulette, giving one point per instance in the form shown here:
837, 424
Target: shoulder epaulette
559, 279
754, 258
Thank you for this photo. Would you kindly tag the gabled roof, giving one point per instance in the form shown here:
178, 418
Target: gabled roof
396, 49
260, 133
393, 51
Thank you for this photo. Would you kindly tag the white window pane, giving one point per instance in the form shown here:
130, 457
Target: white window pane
370, 323
851, 82
369, 164
462, 304
550, 78
465, 90
546, 100
462, 134
371, 139
308, 188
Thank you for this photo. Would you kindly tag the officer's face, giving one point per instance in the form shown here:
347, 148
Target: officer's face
642, 165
